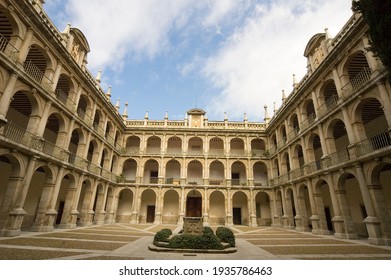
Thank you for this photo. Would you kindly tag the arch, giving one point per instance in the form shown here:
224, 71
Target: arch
35, 204
217, 211
216, 173
83, 106
154, 145
55, 129
258, 146
370, 118
324, 205
84, 203
68, 183
309, 110
216, 146
11, 173
329, 94
315, 150
195, 172
125, 206
173, 172
147, 206
237, 146
174, 145
304, 208
37, 63
298, 157
355, 67
151, 172
238, 173
132, 144
260, 174
63, 88
194, 203
171, 207
196, 146
240, 211
263, 209
22, 106
294, 124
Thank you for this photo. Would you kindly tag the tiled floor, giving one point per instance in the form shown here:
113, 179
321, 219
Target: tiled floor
125, 241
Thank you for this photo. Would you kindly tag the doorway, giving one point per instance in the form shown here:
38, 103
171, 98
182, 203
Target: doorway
194, 207
237, 216
150, 213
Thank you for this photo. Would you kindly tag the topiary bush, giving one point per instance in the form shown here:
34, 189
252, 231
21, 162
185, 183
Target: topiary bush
162, 236
190, 241
226, 235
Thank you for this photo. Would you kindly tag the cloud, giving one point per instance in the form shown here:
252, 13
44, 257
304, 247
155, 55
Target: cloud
256, 62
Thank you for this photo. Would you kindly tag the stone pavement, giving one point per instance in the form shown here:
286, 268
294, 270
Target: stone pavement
130, 242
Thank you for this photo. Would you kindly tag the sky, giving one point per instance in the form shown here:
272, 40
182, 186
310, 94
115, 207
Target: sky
227, 57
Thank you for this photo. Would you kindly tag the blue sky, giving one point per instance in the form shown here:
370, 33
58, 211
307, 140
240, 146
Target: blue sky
232, 56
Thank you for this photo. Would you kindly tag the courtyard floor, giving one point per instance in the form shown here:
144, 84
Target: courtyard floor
130, 242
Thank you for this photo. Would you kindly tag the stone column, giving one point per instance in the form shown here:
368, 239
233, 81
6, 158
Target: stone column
136, 206
372, 221
17, 214
6, 97
229, 220
24, 49
182, 206
51, 213
253, 215
380, 205
159, 207
206, 207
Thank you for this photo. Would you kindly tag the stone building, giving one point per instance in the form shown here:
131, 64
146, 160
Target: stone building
69, 158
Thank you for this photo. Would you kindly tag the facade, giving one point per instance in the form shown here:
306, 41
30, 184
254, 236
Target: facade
69, 158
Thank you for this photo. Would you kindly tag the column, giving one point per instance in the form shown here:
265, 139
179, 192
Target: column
372, 221
17, 214
229, 221
206, 208
24, 49
159, 207
51, 213
6, 97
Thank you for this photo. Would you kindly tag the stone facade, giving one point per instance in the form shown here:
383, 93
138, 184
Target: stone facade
68, 158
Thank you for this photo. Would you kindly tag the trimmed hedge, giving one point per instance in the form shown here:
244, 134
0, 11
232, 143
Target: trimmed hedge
208, 240
190, 241
226, 235
162, 236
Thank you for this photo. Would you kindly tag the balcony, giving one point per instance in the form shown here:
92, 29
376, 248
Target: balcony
356, 152
8, 49
30, 142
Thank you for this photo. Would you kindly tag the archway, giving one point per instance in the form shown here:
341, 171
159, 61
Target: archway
240, 212
170, 213
125, 206
263, 209
217, 211
148, 206
194, 204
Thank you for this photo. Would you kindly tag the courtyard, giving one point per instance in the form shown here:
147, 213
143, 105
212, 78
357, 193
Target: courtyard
130, 242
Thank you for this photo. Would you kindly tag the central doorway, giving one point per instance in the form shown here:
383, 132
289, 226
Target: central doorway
194, 204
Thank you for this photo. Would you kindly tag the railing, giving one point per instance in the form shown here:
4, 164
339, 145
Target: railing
37, 75
32, 142
361, 149
8, 49
373, 143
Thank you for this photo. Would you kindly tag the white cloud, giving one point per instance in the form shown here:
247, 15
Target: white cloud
257, 61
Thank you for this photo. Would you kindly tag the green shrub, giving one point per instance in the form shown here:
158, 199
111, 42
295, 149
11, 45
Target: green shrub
190, 241
207, 231
162, 236
226, 235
